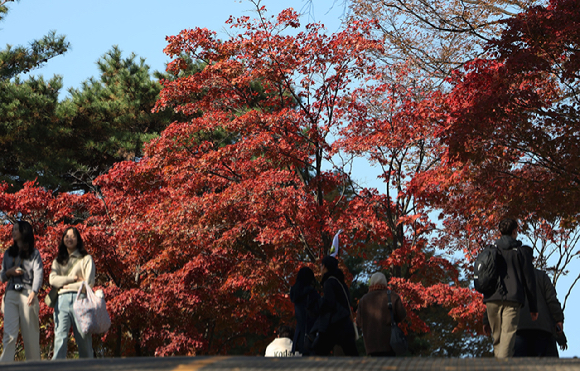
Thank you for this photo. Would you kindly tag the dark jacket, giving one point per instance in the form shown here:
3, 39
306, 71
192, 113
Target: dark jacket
517, 277
374, 317
334, 324
549, 308
335, 304
305, 299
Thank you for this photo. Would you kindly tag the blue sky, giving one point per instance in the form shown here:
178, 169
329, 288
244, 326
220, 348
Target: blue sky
140, 27
93, 27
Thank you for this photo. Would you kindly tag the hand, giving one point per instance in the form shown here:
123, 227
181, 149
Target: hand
75, 279
14, 271
31, 298
534, 316
487, 330
559, 327
564, 346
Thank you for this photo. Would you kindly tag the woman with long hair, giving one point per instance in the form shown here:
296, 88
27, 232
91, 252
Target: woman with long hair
22, 269
72, 265
305, 299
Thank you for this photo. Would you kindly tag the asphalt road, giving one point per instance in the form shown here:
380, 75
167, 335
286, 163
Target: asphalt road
307, 363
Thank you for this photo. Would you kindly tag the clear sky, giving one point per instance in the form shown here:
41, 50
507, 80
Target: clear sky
140, 27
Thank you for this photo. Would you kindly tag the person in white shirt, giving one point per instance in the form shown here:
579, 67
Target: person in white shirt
282, 345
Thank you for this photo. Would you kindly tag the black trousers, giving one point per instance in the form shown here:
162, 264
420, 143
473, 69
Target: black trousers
535, 343
340, 333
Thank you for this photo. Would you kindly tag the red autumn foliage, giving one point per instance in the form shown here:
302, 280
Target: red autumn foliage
196, 244
510, 134
513, 120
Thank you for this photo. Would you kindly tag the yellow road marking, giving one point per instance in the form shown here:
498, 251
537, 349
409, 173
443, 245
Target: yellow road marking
198, 365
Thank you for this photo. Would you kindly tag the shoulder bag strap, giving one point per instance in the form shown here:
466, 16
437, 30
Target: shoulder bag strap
345, 294
393, 323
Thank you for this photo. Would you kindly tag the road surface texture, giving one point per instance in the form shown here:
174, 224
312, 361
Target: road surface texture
237, 363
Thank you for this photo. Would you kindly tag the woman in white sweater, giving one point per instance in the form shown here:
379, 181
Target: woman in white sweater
72, 266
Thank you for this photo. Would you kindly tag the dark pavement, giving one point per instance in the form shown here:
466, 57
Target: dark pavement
308, 363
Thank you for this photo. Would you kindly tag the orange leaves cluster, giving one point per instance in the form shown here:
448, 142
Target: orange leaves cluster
512, 126
198, 241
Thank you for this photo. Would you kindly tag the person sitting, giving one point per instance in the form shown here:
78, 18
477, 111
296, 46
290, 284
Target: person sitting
282, 345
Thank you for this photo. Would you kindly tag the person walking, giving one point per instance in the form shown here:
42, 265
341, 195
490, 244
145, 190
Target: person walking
72, 265
305, 299
517, 281
374, 316
334, 325
22, 270
538, 338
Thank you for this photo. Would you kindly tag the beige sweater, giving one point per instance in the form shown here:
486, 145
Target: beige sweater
85, 269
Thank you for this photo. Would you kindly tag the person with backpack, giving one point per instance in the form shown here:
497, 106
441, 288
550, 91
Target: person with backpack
515, 282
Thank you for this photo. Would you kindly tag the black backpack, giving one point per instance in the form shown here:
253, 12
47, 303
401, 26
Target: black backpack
486, 271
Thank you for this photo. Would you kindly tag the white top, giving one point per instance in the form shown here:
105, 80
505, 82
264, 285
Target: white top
85, 269
281, 347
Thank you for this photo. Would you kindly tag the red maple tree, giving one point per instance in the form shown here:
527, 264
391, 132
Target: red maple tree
196, 243
514, 119
510, 131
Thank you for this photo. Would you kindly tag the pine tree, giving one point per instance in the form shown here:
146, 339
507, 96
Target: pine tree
28, 110
29, 129
21, 59
61, 143
110, 118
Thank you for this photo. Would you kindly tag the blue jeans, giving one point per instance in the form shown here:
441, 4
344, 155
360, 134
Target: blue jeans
63, 319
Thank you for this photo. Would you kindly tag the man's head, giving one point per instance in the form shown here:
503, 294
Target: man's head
507, 227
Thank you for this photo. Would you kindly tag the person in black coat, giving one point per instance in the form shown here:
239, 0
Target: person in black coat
334, 325
305, 299
538, 338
